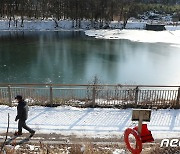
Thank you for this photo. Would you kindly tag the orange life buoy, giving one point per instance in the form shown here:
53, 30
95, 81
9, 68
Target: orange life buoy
138, 148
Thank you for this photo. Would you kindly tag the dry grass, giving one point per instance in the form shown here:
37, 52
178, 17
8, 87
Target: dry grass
85, 148
164, 150
8, 150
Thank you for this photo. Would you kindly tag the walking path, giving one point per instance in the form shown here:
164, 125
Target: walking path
91, 122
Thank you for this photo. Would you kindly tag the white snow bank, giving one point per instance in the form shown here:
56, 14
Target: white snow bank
138, 35
41, 25
63, 24
91, 122
52, 25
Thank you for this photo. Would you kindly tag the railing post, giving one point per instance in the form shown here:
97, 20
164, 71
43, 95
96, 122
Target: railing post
178, 96
93, 96
136, 95
9, 95
51, 95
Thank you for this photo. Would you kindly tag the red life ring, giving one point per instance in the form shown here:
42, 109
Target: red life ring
138, 148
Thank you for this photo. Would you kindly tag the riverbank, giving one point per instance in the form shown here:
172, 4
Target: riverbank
62, 25
52, 25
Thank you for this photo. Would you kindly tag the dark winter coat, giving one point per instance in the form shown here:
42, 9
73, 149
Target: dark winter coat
22, 110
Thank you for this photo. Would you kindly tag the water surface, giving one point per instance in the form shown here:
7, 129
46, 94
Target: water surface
71, 57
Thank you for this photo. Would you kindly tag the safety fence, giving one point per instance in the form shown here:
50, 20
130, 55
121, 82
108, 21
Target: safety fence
92, 95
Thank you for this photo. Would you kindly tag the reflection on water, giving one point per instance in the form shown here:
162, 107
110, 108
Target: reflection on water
71, 57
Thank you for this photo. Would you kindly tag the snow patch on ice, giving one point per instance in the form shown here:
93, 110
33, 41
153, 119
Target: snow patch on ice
138, 35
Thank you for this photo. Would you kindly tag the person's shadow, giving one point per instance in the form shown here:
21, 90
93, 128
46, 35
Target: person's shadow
8, 141
23, 140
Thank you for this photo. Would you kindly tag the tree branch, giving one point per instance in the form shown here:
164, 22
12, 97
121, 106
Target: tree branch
6, 135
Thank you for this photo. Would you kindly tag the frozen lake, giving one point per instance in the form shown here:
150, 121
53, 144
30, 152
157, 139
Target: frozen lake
72, 57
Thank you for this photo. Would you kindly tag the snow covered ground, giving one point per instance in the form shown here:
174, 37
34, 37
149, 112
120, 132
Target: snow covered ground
169, 36
91, 122
43, 25
63, 25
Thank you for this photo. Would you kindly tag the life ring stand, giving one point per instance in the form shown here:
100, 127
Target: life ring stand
138, 148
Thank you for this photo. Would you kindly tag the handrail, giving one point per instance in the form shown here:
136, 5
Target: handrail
58, 85
152, 95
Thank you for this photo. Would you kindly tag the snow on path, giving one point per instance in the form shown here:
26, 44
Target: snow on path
91, 122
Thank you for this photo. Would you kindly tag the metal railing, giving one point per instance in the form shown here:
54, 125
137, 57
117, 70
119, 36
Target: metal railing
93, 95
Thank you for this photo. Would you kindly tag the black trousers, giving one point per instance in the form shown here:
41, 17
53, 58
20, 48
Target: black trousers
22, 124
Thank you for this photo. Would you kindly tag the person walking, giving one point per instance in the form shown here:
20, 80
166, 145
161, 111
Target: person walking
22, 114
